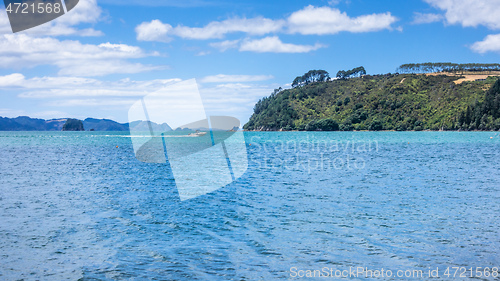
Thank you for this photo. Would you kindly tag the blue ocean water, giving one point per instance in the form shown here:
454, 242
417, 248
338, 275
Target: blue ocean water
79, 206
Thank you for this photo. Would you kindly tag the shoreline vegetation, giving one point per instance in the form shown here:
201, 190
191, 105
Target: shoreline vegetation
426, 97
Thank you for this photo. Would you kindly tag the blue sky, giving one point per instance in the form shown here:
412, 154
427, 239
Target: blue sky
102, 56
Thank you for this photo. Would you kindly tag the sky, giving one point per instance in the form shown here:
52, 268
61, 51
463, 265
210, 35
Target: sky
104, 55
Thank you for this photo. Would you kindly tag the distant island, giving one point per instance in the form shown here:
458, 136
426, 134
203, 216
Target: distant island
24, 123
74, 125
428, 96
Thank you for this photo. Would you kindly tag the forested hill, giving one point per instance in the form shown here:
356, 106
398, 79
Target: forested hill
382, 102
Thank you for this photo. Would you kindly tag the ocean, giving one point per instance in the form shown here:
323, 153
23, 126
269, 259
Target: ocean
80, 206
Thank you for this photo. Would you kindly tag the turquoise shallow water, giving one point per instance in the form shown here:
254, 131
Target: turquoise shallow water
75, 207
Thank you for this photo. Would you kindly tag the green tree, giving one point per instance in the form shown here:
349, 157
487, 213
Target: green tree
376, 125
355, 72
310, 77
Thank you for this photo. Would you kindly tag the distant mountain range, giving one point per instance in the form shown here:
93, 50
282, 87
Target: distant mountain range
91, 124
24, 123
144, 126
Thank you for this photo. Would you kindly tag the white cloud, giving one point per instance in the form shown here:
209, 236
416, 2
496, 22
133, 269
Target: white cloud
490, 44
64, 87
92, 102
470, 13
254, 26
103, 67
15, 79
85, 12
225, 45
153, 31
420, 18
270, 44
222, 78
71, 57
158, 31
18, 80
310, 20
274, 45
327, 20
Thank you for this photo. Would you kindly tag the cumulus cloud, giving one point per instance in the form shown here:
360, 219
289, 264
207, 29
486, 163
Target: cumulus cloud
15, 79
153, 31
470, 13
274, 45
217, 30
490, 44
327, 20
158, 31
71, 57
86, 12
222, 78
310, 20
420, 18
